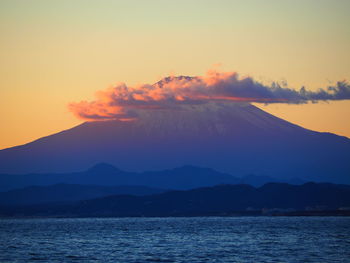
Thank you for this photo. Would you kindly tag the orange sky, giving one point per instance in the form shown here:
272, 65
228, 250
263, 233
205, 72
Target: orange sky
57, 52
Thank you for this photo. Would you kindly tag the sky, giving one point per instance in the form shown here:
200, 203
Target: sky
54, 53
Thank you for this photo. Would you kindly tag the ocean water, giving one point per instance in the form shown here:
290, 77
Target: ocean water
201, 239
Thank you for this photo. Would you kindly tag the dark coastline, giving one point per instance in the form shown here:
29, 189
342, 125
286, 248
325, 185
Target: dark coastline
273, 199
330, 213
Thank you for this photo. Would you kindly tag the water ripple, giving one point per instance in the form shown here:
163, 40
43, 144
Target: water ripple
211, 239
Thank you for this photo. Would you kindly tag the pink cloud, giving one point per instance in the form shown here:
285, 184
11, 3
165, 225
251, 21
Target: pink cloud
121, 101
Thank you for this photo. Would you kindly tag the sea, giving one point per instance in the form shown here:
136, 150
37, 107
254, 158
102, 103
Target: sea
193, 239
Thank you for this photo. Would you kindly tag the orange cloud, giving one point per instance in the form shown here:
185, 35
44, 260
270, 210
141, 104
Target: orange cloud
122, 102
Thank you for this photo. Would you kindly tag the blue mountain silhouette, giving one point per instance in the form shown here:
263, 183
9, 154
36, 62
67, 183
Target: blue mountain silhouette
239, 139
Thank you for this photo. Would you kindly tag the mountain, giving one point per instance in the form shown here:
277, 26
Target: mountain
68, 192
217, 200
103, 174
237, 138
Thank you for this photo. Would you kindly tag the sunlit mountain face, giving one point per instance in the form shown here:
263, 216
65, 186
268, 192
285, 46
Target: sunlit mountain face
237, 138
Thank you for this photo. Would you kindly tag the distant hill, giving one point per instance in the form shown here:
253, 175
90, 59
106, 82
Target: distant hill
185, 177
217, 200
235, 138
59, 193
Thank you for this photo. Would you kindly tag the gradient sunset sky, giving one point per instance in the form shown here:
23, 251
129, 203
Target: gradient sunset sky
57, 52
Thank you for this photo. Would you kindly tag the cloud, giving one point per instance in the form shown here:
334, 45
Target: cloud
122, 102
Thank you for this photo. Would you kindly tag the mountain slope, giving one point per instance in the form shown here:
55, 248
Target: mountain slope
238, 138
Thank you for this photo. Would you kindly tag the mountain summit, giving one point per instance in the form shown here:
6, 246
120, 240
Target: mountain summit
237, 138
103, 168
